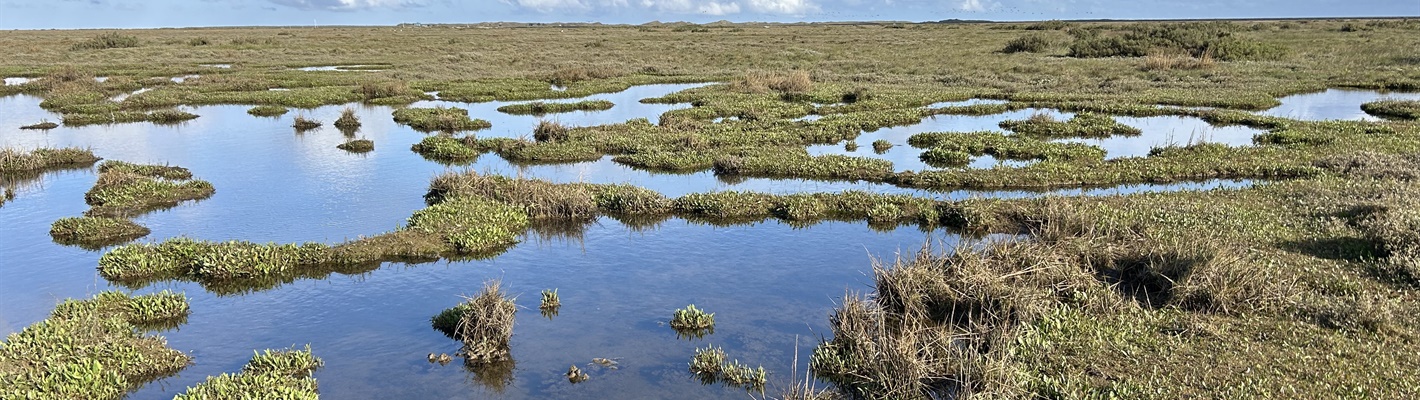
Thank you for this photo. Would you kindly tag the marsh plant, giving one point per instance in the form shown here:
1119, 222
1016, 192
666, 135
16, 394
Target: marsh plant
94, 349
550, 300
268, 111
303, 124
691, 319
541, 108
442, 119
550, 131
281, 374
95, 232
348, 120
881, 146
1395, 109
357, 146
576, 375
42, 125
483, 323
711, 365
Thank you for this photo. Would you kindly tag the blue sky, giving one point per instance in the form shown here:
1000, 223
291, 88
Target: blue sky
44, 14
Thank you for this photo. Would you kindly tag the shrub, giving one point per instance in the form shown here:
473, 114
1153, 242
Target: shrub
111, 40
1029, 43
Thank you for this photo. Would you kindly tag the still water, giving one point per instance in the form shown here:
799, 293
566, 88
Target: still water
770, 285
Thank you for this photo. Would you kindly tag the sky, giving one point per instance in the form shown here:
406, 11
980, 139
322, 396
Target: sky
69, 14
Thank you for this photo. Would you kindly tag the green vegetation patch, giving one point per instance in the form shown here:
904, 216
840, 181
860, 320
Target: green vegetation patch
357, 146
444, 119
95, 232
541, 108
483, 323
1083, 125
268, 111
14, 161
1221, 40
446, 149
281, 374
1004, 146
125, 189
112, 40
93, 349
1398, 109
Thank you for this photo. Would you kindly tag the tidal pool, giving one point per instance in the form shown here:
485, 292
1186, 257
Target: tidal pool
1333, 104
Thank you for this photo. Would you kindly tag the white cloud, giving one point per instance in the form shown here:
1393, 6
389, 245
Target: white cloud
970, 5
347, 5
704, 7
783, 7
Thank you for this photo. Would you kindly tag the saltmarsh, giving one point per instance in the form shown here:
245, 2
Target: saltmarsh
1304, 286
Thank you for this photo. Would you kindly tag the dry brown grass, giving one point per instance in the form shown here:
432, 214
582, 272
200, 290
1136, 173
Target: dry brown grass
792, 82
1166, 61
486, 325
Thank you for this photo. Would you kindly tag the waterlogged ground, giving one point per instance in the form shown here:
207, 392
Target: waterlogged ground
770, 285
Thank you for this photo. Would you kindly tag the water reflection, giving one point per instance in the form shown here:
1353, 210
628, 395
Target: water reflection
1333, 104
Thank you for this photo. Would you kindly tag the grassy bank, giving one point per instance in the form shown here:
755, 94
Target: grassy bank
281, 374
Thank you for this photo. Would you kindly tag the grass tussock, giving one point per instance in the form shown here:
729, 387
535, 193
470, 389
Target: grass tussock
446, 149
125, 189
568, 75
692, 319
14, 161
1396, 109
440, 119
1163, 61
712, 365
541, 108
94, 348
357, 146
268, 111
1220, 39
551, 131
302, 123
281, 374
1082, 125
347, 120
95, 232
484, 323
1028, 43
43, 125
112, 40
550, 299
791, 83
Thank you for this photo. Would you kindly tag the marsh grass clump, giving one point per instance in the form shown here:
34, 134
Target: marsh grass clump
575, 375
550, 299
112, 40
208, 262
941, 157
551, 131
125, 189
1082, 125
347, 120
692, 319
445, 119
710, 365
445, 148
301, 123
95, 232
1029, 43
541, 108
357, 146
1192, 38
42, 125
18, 161
1164, 61
484, 325
471, 224
94, 348
283, 374
268, 111
170, 116
850, 146
381, 89
881, 146
793, 83
1396, 109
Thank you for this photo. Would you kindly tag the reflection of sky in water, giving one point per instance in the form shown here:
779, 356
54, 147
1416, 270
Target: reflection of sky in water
17, 81
1333, 104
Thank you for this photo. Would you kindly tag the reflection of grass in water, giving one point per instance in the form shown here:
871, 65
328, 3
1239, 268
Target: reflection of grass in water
710, 365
